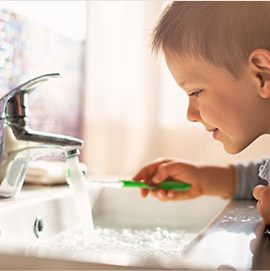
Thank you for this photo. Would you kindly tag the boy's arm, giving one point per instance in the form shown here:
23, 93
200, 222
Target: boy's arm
237, 180
218, 181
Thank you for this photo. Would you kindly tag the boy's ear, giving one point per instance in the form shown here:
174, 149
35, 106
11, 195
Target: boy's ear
259, 64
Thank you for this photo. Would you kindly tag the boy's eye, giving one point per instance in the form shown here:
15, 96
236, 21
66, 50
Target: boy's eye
196, 93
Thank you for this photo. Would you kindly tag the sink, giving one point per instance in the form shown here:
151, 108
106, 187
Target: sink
40, 228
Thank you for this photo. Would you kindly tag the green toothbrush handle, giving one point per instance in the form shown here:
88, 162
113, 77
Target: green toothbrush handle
166, 185
174, 185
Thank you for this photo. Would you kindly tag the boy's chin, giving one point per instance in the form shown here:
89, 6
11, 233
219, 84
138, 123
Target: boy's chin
234, 148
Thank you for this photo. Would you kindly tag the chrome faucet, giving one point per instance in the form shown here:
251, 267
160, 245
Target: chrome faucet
21, 145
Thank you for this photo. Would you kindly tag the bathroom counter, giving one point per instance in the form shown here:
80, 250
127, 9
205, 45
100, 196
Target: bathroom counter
235, 241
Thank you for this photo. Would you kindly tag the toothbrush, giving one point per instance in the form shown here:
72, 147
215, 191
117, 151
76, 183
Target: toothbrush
166, 185
120, 183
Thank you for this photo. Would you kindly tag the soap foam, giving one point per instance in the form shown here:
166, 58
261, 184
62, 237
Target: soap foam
144, 243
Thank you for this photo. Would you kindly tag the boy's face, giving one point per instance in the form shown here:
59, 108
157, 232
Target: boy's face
231, 109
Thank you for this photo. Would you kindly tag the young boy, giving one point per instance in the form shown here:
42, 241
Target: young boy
219, 53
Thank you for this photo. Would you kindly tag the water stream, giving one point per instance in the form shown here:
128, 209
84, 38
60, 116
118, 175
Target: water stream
76, 180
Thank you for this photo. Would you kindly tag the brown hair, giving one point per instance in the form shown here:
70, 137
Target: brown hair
223, 33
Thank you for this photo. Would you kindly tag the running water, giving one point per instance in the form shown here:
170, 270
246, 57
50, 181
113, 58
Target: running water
76, 180
114, 245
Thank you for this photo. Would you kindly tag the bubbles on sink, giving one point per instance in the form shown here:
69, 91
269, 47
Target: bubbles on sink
241, 216
149, 242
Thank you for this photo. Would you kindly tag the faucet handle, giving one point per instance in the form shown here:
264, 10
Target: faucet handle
12, 104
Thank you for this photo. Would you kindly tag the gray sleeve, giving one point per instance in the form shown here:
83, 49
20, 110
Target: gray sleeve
247, 178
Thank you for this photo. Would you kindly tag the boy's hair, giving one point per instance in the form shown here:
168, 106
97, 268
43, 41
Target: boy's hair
222, 33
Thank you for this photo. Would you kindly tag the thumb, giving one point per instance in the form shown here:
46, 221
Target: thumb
258, 191
161, 174
177, 171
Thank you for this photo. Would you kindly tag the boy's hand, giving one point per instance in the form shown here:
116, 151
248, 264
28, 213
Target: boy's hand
163, 169
262, 194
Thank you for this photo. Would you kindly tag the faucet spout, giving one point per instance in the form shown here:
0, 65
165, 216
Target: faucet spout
37, 138
21, 145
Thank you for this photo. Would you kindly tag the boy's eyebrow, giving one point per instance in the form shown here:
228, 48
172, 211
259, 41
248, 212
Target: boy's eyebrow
181, 83
185, 85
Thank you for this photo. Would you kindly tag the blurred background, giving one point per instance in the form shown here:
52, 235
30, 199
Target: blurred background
114, 93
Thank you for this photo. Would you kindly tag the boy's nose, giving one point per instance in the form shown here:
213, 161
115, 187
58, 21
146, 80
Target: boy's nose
193, 113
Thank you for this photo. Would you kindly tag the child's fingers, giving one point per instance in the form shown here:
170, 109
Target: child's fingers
163, 172
185, 195
175, 195
177, 171
171, 194
149, 170
160, 194
142, 174
145, 174
258, 191
164, 195
144, 192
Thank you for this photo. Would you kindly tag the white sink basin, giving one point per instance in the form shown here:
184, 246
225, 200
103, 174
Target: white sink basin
130, 231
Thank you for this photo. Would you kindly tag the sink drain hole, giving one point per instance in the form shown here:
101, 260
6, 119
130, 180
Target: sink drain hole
38, 226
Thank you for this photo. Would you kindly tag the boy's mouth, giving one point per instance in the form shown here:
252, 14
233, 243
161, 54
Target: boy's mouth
214, 132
